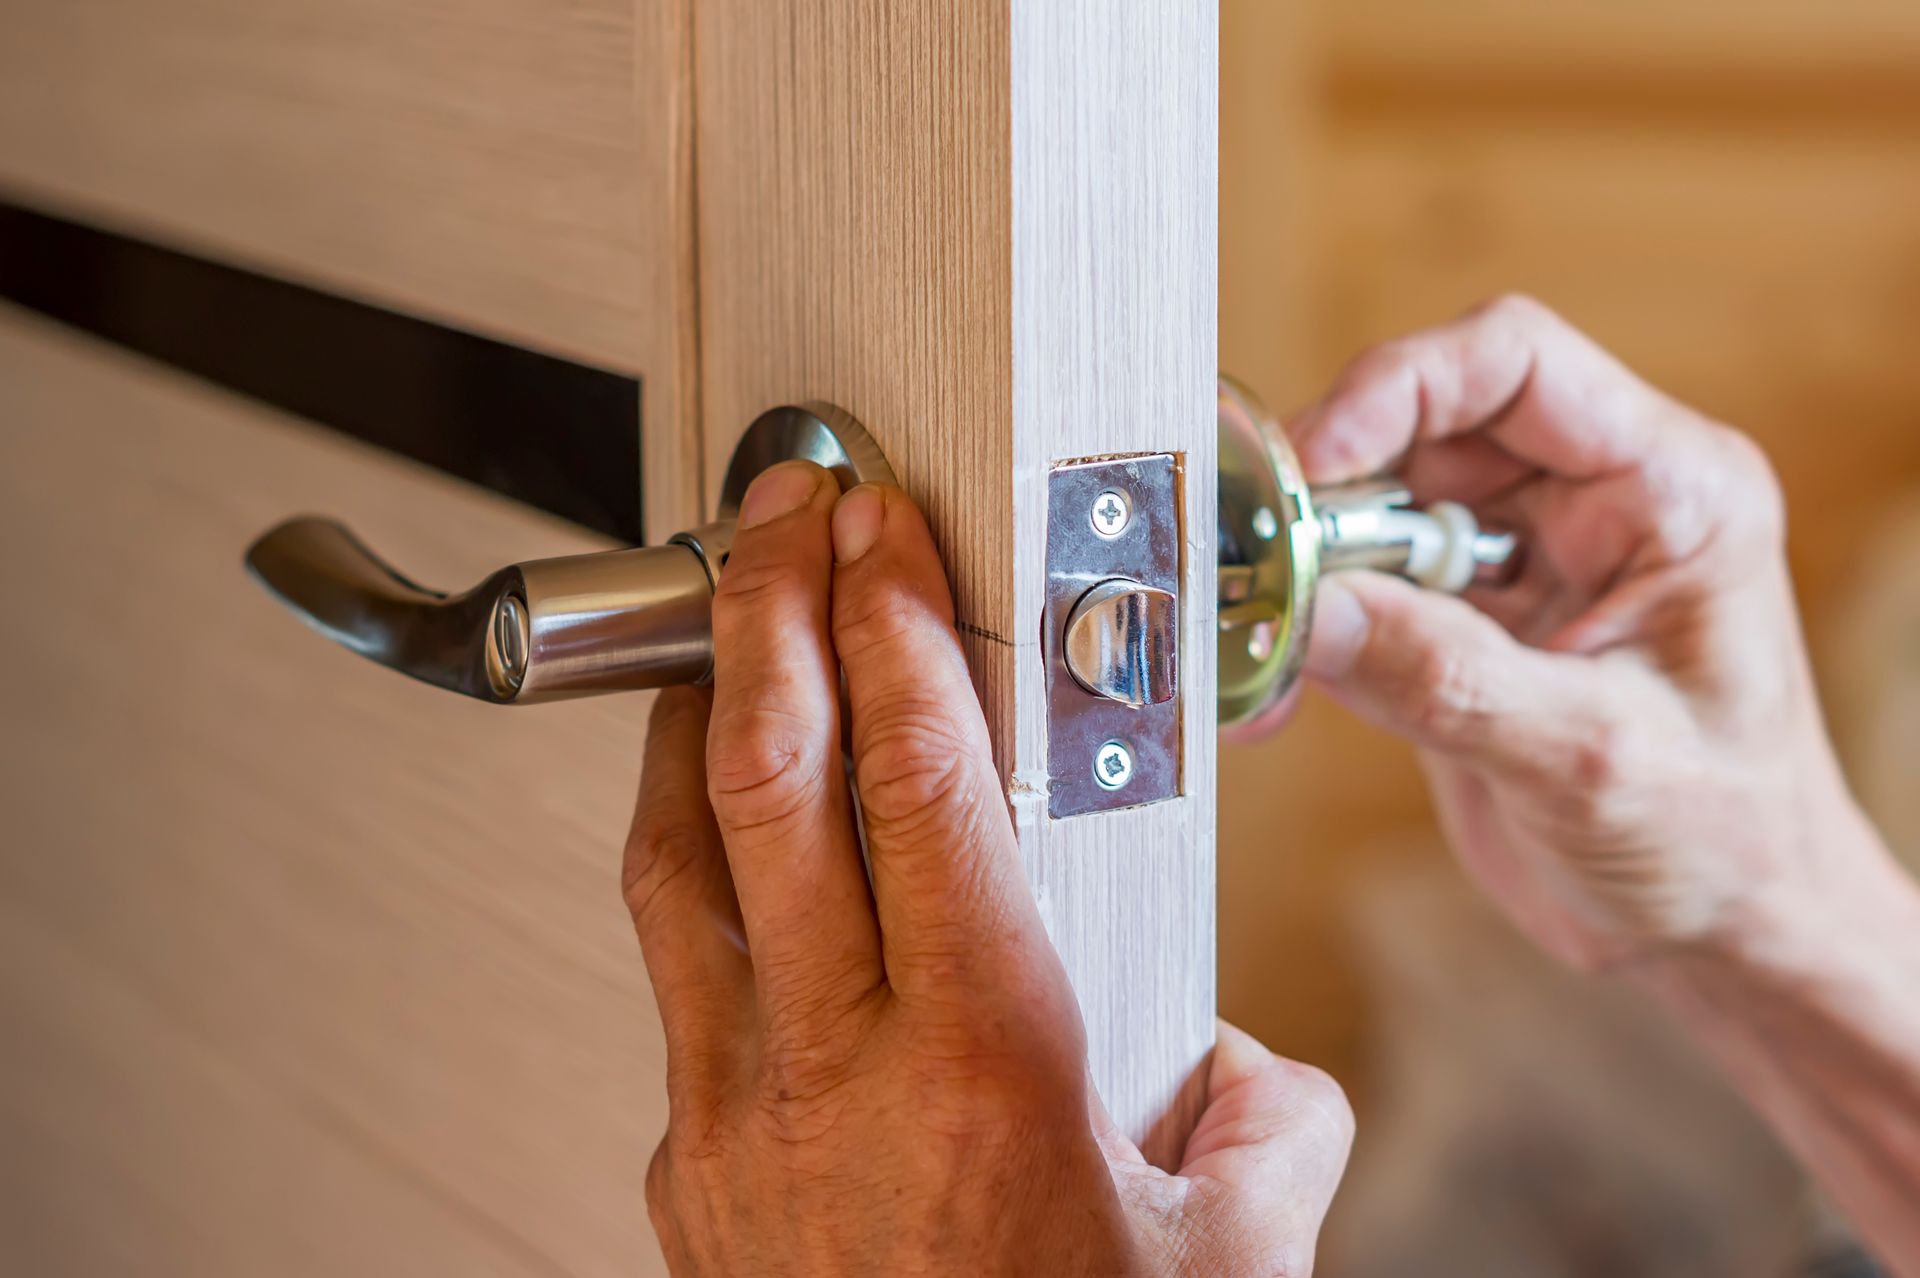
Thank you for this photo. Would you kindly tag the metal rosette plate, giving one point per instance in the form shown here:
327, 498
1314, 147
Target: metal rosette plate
1270, 543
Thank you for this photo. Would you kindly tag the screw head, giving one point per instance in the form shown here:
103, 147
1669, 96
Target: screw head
1111, 513
1265, 526
1113, 765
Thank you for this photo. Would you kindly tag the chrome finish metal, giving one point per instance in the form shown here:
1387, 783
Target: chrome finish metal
1110, 634
1112, 511
511, 639
537, 631
819, 433
1269, 559
1372, 525
1496, 557
1113, 766
1277, 536
1121, 642
551, 628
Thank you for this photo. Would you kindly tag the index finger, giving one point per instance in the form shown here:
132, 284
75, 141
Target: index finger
947, 878
1536, 386
774, 771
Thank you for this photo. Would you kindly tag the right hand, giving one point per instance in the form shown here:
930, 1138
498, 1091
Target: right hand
1624, 744
875, 1064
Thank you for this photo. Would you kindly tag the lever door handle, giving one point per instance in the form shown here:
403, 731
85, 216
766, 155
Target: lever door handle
614, 621
536, 631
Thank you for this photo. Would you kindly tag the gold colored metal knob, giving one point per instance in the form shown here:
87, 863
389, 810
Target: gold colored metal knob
1278, 536
1269, 558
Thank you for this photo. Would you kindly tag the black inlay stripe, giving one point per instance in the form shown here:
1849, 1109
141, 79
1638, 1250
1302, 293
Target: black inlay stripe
549, 432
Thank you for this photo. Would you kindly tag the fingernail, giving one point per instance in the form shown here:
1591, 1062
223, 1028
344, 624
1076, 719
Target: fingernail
779, 491
856, 522
1339, 630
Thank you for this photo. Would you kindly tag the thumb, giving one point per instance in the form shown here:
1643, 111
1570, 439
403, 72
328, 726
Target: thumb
1434, 669
1272, 1143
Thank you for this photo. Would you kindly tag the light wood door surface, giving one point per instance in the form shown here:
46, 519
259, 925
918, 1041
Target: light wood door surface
317, 970
308, 969
989, 232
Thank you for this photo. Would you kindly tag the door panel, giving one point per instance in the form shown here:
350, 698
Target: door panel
367, 933
989, 232
309, 969
505, 166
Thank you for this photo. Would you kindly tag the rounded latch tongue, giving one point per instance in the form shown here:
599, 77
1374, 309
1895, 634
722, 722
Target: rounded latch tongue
1120, 642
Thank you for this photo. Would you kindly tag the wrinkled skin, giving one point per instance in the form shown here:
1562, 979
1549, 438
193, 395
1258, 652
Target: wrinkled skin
891, 1077
1624, 744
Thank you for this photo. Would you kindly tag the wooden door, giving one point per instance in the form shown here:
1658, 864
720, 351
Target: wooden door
312, 969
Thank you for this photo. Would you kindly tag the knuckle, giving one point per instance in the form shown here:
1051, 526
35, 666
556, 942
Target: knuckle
1517, 310
659, 1183
1382, 361
1447, 696
1600, 790
658, 852
917, 767
766, 771
698, 1138
1759, 494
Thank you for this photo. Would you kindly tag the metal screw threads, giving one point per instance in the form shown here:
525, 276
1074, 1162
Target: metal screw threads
1112, 512
509, 637
1113, 765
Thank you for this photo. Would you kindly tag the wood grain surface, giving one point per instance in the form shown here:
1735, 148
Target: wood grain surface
1114, 208
306, 969
988, 231
508, 166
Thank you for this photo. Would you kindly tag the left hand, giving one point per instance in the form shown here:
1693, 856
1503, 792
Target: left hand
887, 1073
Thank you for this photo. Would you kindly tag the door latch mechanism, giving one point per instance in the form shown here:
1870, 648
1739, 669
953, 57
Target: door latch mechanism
1277, 536
1111, 631
613, 621
622, 620
1112, 623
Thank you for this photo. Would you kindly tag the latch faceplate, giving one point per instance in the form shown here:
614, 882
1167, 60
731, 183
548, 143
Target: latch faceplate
1111, 632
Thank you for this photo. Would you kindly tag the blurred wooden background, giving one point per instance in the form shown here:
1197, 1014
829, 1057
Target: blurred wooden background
1728, 196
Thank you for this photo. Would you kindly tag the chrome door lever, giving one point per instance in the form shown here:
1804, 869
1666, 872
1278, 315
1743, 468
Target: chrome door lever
614, 621
533, 631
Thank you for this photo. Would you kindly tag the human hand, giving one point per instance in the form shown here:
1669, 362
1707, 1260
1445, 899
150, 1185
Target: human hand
886, 1072
1624, 744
